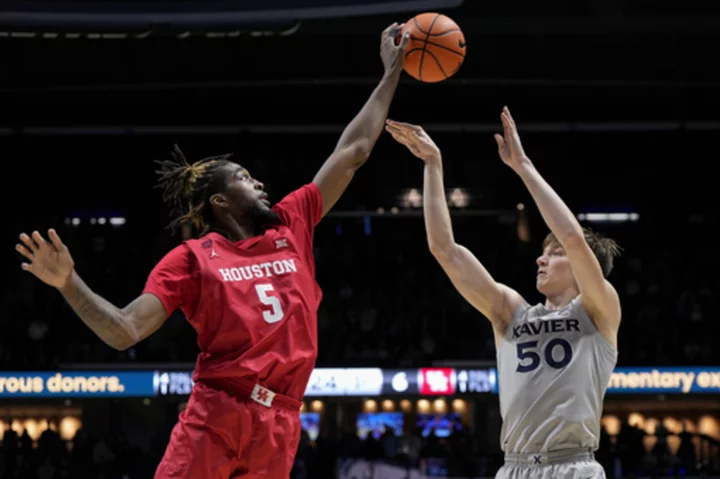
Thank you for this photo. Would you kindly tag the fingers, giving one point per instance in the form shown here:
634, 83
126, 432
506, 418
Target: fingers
390, 30
55, 238
404, 126
397, 128
393, 131
405, 40
29, 243
500, 141
397, 135
508, 117
39, 240
24, 251
32, 245
507, 125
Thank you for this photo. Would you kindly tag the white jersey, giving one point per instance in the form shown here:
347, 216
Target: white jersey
553, 370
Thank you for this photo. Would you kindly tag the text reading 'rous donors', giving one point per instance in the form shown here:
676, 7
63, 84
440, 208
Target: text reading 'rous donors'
73, 383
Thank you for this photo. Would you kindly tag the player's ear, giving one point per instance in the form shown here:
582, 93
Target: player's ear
219, 199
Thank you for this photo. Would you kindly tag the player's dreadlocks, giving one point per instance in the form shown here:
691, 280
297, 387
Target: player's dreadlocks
187, 188
605, 249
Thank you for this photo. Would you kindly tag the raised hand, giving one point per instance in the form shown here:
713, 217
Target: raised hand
414, 138
49, 261
509, 145
392, 54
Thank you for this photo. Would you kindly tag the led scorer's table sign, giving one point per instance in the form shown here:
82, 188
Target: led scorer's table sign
348, 382
76, 384
323, 382
673, 380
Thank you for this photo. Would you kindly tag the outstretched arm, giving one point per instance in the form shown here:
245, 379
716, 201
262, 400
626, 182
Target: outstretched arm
495, 301
597, 294
359, 137
52, 263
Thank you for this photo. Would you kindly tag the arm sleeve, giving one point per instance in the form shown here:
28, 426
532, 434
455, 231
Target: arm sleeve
174, 280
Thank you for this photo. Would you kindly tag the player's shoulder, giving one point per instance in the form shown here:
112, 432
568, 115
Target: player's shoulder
302, 202
178, 251
513, 302
179, 257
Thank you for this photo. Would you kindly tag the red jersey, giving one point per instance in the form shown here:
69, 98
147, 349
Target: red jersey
253, 302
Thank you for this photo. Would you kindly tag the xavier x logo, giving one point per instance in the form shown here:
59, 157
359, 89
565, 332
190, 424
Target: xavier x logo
537, 459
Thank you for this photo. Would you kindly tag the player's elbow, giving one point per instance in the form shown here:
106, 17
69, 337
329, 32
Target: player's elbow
121, 343
441, 250
122, 346
436, 250
123, 335
359, 152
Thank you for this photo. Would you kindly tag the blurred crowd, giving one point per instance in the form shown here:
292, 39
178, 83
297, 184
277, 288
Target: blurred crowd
109, 453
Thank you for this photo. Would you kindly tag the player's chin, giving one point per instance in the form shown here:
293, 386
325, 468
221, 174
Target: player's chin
261, 207
267, 215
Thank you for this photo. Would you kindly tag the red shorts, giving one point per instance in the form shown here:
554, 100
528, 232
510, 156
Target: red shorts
223, 435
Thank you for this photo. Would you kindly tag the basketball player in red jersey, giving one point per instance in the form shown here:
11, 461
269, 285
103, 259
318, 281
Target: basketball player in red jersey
247, 286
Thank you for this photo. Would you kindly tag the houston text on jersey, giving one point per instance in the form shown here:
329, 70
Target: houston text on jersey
260, 270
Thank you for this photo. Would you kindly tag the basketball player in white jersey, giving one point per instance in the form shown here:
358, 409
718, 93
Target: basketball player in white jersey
554, 358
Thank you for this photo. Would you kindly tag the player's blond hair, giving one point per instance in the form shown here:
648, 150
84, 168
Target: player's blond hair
605, 249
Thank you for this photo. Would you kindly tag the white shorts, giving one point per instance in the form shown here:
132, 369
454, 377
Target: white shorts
574, 464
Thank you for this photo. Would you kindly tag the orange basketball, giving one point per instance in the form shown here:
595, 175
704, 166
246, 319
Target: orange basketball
436, 49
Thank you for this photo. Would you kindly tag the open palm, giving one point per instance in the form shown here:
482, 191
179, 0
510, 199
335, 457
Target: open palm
509, 145
414, 138
49, 261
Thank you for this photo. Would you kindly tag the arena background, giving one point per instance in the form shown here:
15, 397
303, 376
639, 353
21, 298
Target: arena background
617, 103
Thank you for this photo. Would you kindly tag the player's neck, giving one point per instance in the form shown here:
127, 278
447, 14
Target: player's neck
237, 232
559, 301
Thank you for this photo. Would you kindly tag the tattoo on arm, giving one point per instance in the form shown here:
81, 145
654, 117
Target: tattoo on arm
98, 314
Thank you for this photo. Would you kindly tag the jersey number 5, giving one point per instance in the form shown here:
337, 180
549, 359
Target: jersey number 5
276, 312
524, 351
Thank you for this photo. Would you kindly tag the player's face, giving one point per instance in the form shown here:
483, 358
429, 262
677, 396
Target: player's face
247, 197
554, 275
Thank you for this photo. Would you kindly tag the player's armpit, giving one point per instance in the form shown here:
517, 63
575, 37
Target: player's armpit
144, 316
495, 301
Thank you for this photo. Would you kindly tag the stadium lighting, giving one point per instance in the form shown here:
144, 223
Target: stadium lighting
412, 199
609, 217
459, 197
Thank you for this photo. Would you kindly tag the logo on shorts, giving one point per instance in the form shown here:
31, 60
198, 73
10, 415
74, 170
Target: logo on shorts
262, 395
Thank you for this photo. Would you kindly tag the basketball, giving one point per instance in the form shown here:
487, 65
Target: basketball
436, 49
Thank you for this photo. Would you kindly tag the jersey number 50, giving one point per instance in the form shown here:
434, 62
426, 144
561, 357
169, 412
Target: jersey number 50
524, 352
276, 312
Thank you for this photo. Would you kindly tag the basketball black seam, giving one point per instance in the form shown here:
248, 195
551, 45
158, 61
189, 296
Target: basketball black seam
427, 35
418, 27
446, 48
438, 63
443, 33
